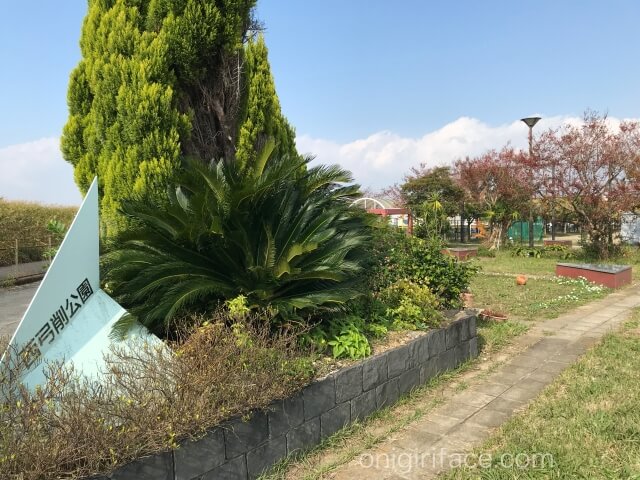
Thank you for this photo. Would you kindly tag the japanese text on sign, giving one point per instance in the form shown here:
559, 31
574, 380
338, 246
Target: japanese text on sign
31, 354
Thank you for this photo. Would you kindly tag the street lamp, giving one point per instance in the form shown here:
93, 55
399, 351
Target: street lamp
530, 122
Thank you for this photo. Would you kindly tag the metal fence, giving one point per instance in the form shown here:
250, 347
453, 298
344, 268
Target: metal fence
27, 252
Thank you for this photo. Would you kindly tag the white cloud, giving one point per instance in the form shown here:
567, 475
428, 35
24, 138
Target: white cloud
383, 158
35, 171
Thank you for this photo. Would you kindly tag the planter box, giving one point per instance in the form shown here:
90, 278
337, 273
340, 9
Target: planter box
461, 253
242, 450
612, 276
566, 243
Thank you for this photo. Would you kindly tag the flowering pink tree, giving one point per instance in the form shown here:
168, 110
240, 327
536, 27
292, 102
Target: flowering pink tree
593, 170
498, 183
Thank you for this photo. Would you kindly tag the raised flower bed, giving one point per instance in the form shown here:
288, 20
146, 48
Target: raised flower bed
612, 276
462, 253
241, 449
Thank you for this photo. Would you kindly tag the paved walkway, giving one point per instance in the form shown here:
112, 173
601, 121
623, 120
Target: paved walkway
13, 303
436, 441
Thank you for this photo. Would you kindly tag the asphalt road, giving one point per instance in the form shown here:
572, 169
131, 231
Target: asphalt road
13, 303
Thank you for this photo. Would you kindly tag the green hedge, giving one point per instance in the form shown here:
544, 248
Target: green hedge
27, 222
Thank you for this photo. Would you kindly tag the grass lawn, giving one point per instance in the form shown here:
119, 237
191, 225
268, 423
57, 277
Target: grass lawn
504, 262
588, 420
539, 298
544, 296
492, 336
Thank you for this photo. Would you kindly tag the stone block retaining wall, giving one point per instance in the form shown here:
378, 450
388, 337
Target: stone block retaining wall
242, 450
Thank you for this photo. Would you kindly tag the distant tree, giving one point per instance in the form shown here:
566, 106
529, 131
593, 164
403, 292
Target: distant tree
163, 79
422, 184
497, 181
433, 196
595, 174
393, 194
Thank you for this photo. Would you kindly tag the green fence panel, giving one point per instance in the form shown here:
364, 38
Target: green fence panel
519, 231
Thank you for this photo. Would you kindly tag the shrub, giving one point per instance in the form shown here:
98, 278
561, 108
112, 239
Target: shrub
548, 251
410, 306
403, 305
151, 399
397, 256
527, 252
555, 248
594, 251
486, 252
279, 234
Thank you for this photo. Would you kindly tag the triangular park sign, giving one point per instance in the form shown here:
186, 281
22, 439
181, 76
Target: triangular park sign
70, 318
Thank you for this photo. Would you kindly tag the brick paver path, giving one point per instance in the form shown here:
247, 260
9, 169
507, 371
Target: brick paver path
436, 441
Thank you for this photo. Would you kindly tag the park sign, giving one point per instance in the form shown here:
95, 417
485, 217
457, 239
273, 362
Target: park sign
70, 318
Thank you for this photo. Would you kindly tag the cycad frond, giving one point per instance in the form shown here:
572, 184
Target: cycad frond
283, 236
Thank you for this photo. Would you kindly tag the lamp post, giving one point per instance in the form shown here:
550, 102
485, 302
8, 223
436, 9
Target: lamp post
553, 200
530, 122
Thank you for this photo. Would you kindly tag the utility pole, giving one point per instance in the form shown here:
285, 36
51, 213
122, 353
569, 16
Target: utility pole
530, 122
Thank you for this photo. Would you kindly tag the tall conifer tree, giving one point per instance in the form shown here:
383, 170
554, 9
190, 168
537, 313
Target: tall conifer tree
261, 119
159, 79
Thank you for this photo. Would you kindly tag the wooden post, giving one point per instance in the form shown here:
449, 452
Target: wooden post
17, 251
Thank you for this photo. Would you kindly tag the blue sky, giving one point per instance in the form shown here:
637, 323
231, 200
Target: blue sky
377, 86
345, 69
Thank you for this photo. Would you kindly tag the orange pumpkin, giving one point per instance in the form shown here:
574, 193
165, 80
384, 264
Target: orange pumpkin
521, 280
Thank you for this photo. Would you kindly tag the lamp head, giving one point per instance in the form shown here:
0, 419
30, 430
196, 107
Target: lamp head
530, 121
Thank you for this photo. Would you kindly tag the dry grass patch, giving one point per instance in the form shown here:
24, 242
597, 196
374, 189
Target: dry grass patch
152, 399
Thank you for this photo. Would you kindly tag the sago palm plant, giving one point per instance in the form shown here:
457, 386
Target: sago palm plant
280, 233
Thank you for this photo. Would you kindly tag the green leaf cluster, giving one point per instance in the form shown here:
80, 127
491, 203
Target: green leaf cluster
348, 341
346, 336
548, 251
422, 186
